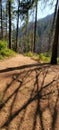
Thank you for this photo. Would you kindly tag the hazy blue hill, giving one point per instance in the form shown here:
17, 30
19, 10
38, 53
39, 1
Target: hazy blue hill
43, 31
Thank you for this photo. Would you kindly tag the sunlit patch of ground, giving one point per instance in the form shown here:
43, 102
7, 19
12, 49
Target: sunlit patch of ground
29, 95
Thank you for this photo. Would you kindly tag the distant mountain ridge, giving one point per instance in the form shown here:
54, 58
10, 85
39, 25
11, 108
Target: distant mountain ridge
43, 31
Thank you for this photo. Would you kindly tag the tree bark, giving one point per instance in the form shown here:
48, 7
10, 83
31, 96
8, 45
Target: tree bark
6, 20
9, 24
55, 42
17, 30
1, 21
35, 25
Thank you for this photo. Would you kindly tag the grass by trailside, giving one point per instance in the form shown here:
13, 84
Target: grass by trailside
5, 51
42, 57
58, 60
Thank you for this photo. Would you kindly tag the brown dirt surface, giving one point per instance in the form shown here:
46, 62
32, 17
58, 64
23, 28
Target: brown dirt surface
29, 95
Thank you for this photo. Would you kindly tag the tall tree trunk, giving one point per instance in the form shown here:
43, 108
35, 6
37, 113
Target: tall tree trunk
55, 42
9, 24
35, 25
6, 20
1, 20
17, 29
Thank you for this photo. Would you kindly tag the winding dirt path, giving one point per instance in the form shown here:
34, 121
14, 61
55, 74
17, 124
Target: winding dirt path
29, 95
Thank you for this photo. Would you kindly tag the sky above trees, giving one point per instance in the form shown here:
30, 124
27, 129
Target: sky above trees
45, 9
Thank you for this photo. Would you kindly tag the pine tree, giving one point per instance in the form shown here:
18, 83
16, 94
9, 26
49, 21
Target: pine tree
55, 42
1, 21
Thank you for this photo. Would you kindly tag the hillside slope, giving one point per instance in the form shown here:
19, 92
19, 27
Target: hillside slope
43, 32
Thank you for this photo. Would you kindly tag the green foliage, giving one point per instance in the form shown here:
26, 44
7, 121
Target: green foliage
3, 44
58, 60
1, 57
7, 52
46, 54
30, 54
4, 51
34, 56
42, 57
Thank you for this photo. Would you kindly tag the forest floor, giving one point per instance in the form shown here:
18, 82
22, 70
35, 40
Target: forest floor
29, 95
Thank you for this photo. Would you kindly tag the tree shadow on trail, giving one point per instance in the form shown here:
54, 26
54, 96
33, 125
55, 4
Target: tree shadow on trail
24, 67
55, 114
30, 82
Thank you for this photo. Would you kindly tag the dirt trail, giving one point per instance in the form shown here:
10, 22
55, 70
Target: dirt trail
29, 95
16, 61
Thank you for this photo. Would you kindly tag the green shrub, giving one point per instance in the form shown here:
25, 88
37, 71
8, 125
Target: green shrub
7, 52
3, 44
30, 54
44, 57
1, 57
47, 54
4, 51
58, 60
